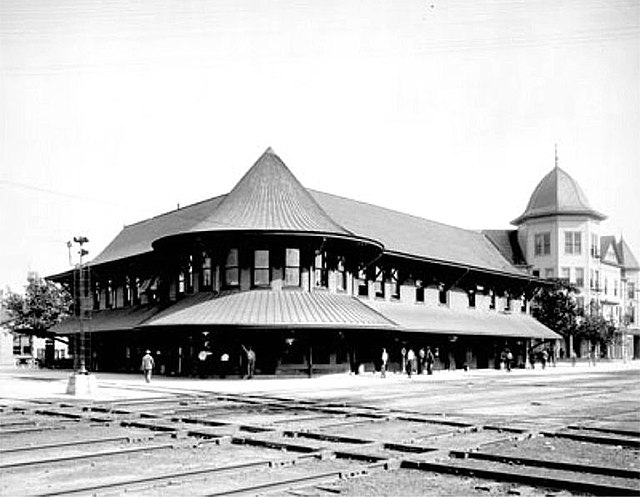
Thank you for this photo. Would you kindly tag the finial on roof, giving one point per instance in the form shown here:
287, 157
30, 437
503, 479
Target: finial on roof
269, 150
556, 153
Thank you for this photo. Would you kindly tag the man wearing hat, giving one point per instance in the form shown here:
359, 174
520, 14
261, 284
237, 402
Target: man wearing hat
147, 366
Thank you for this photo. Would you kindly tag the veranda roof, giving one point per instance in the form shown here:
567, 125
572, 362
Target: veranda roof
445, 320
272, 309
107, 320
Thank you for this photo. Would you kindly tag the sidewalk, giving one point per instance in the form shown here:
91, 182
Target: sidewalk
18, 384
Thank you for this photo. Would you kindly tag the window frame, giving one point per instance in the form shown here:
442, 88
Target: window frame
230, 267
206, 268
573, 242
262, 269
320, 270
288, 266
542, 243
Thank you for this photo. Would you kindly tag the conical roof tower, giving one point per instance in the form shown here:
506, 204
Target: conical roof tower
270, 198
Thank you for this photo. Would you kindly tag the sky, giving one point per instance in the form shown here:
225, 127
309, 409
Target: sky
112, 112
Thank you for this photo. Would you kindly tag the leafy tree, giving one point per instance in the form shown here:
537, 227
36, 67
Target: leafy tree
43, 304
595, 328
555, 306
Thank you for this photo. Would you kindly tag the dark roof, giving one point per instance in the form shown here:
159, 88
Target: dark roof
137, 238
557, 194
286, 205
269, 197
405, 234
445, 320
605, 243
272, 309
506, 241
627, 258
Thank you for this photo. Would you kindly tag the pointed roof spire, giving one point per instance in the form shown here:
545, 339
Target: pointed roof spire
269, 197
556, 153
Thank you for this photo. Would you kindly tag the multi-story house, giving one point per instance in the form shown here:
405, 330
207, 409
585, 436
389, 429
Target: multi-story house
560, 237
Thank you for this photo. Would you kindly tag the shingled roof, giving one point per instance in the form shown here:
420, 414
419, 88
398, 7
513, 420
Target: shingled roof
269, 197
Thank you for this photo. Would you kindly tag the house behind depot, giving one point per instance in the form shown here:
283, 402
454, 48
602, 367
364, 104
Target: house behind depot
312, 282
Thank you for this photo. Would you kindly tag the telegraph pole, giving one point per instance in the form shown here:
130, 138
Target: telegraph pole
81, 382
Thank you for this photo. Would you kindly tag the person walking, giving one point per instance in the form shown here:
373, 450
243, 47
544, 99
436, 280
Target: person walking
429, 359
251, 361
383, 366
411, 359
147, 366
509, 358
544, 355
421, 360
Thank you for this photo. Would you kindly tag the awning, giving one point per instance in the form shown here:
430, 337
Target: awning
272, 309
444, 320
107, 320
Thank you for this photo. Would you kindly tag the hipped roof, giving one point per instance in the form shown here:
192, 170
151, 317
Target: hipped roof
270, 198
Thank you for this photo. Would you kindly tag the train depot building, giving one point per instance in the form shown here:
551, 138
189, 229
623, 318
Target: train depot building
312, 282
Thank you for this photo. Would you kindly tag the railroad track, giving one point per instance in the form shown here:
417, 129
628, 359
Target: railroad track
285, 444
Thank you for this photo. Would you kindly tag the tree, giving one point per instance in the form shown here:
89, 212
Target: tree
555, 307
43, 304
595, 328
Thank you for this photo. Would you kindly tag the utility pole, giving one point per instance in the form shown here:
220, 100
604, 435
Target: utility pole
81, 382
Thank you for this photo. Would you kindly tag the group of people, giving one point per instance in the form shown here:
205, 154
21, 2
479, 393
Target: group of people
148, 363
410, 362
543, 356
